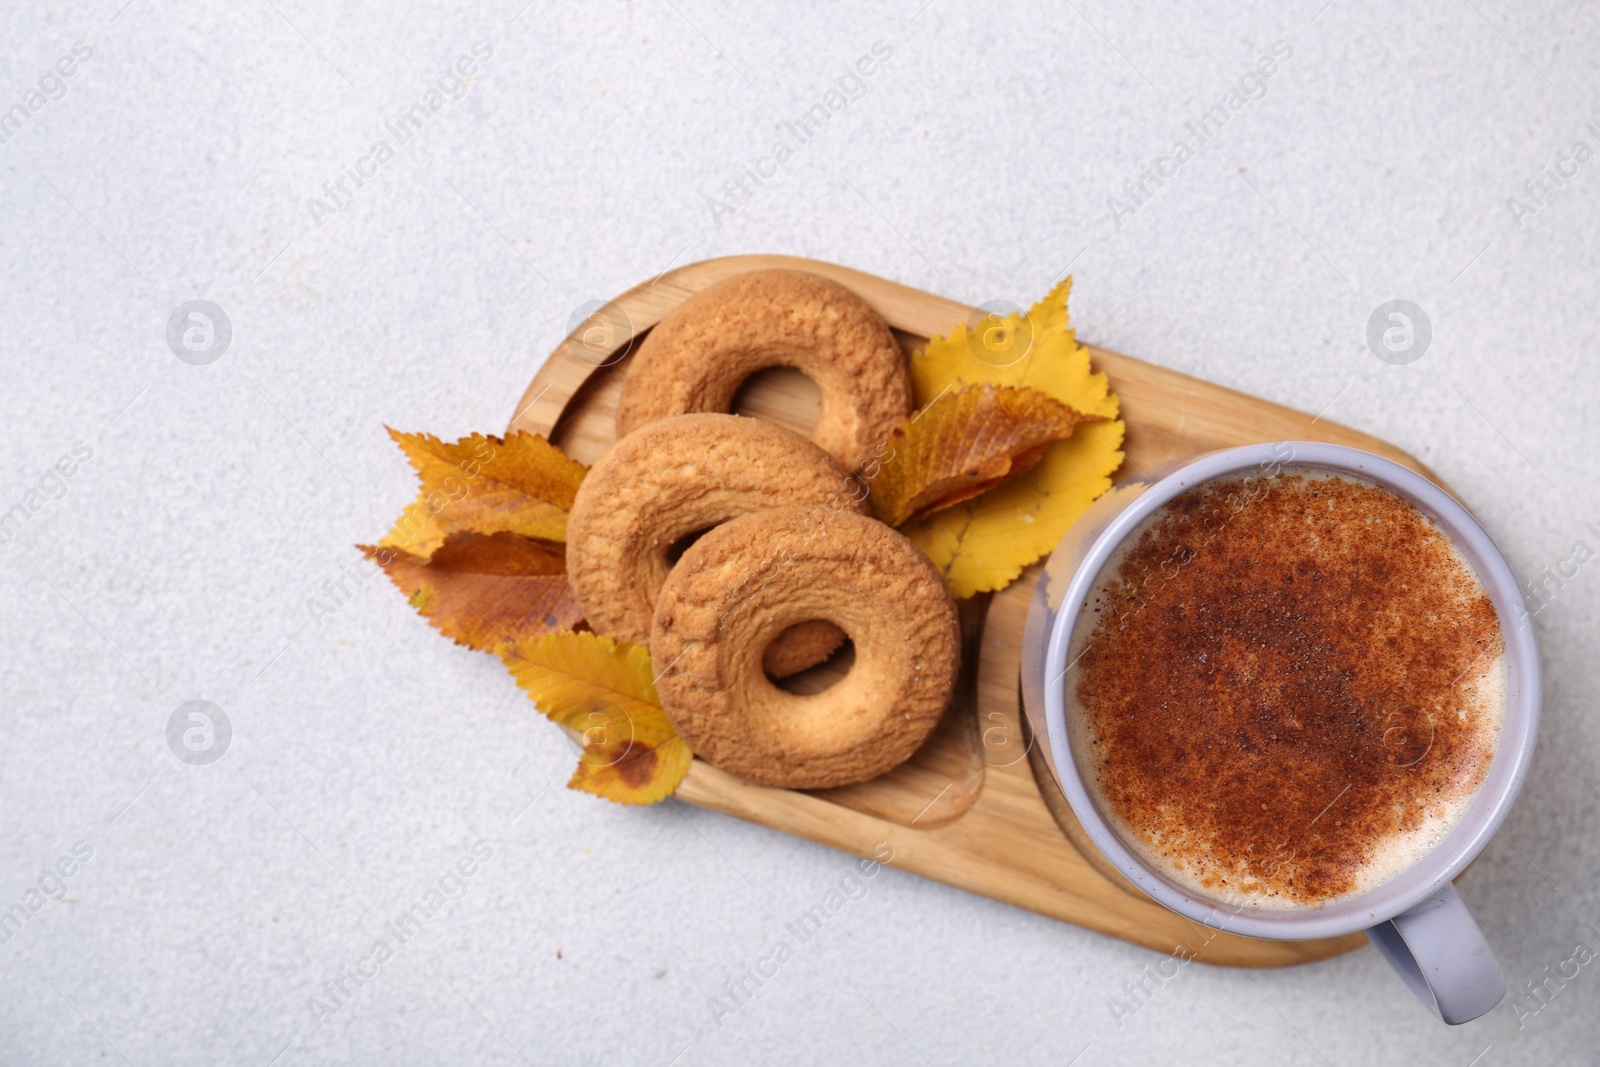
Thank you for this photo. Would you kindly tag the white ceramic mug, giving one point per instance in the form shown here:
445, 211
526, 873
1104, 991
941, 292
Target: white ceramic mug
1416, 919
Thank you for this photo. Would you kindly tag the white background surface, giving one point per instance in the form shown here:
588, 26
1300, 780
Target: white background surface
369, 753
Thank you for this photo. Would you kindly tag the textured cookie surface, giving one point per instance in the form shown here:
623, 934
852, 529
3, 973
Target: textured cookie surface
696, 358
675, 478
748, 580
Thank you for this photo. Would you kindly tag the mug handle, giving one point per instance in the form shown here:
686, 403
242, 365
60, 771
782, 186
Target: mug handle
1443, 958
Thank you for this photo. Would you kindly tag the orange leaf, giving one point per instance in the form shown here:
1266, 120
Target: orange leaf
521, 483
604, 691
964, 443
485, 589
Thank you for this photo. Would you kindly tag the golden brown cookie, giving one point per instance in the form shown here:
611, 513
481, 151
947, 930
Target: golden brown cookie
678, 477
745, 582
696, 358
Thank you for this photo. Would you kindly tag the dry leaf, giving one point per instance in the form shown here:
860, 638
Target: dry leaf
604, 691
982, 544
521, 483
482, 590
964, 443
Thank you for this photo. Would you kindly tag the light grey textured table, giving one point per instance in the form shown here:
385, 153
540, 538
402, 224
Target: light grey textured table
185, 158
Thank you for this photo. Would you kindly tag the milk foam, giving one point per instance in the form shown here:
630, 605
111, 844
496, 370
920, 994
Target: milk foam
1190, 864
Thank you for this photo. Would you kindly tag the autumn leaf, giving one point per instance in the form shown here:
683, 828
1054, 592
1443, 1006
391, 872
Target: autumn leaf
604, 691
482, 590
964, 443
1039, 350
521, 483
983, 544
416, 532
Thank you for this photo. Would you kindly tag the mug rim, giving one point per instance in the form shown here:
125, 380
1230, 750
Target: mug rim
1508, 767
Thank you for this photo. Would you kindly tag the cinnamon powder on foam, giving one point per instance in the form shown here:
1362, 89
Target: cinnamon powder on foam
1289, 688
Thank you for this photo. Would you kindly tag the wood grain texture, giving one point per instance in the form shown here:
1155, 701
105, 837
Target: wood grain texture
968, 809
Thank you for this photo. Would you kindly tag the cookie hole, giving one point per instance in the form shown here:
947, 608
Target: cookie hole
782, 395
823, 676
676, 550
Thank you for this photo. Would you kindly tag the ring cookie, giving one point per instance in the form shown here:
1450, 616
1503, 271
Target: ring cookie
750, 579
675, 478
698, 356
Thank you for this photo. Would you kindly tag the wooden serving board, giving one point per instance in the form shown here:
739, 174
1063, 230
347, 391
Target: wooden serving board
975, 807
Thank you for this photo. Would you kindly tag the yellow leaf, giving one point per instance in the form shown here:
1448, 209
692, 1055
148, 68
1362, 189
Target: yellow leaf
1039, 349
521, 484
604, 691
415, 532
964, 443
982, 544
